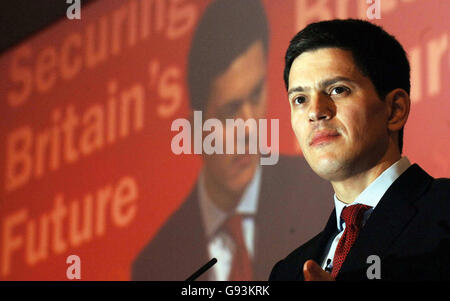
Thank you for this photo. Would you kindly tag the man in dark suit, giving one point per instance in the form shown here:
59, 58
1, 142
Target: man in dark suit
348, 88
268, 203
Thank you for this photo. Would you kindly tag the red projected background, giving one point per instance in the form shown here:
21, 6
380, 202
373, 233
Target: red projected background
86, 165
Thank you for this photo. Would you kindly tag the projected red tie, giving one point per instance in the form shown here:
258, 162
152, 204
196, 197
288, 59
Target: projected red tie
352, 215
241, 267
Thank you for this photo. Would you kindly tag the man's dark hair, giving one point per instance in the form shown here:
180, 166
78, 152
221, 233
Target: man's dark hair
377, 54
226, 30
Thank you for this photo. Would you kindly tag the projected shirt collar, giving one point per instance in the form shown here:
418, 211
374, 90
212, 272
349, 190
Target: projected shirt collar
213, 217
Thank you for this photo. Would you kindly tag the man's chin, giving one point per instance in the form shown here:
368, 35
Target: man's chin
329, 170
238, 181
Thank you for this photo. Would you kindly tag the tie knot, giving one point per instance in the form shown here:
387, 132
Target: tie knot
234, 225
352, 215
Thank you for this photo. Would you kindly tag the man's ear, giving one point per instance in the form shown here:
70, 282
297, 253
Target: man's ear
398, 103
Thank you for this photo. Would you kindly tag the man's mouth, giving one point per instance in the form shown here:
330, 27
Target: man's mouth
323, 137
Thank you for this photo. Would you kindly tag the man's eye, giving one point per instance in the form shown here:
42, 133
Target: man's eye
339, 90
299, 100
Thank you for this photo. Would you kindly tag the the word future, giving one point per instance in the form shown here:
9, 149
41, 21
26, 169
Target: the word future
213, 142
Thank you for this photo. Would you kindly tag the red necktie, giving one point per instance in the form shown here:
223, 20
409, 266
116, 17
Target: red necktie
352, 215
241, 267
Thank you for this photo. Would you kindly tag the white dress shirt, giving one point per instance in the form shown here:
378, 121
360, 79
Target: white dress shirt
370, 197
220, 245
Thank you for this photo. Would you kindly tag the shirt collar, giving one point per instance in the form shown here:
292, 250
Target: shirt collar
213, 217
375, 191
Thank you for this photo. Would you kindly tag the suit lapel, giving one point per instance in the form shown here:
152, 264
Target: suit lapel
284, 199
316, 248
195, 243
317, 253
266, 235
270, 232
388, 220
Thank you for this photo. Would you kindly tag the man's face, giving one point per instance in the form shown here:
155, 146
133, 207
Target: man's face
238, 92
337, 116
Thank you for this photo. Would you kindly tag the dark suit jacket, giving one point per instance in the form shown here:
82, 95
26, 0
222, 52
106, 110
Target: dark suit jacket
409, 230
290, 194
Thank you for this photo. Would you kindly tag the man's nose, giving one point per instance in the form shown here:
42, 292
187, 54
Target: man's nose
321, 107
247, 111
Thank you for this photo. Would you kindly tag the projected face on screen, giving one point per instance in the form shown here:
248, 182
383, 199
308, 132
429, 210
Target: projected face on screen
238, 92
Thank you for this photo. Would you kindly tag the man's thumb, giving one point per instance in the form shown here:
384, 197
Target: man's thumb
311, 270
